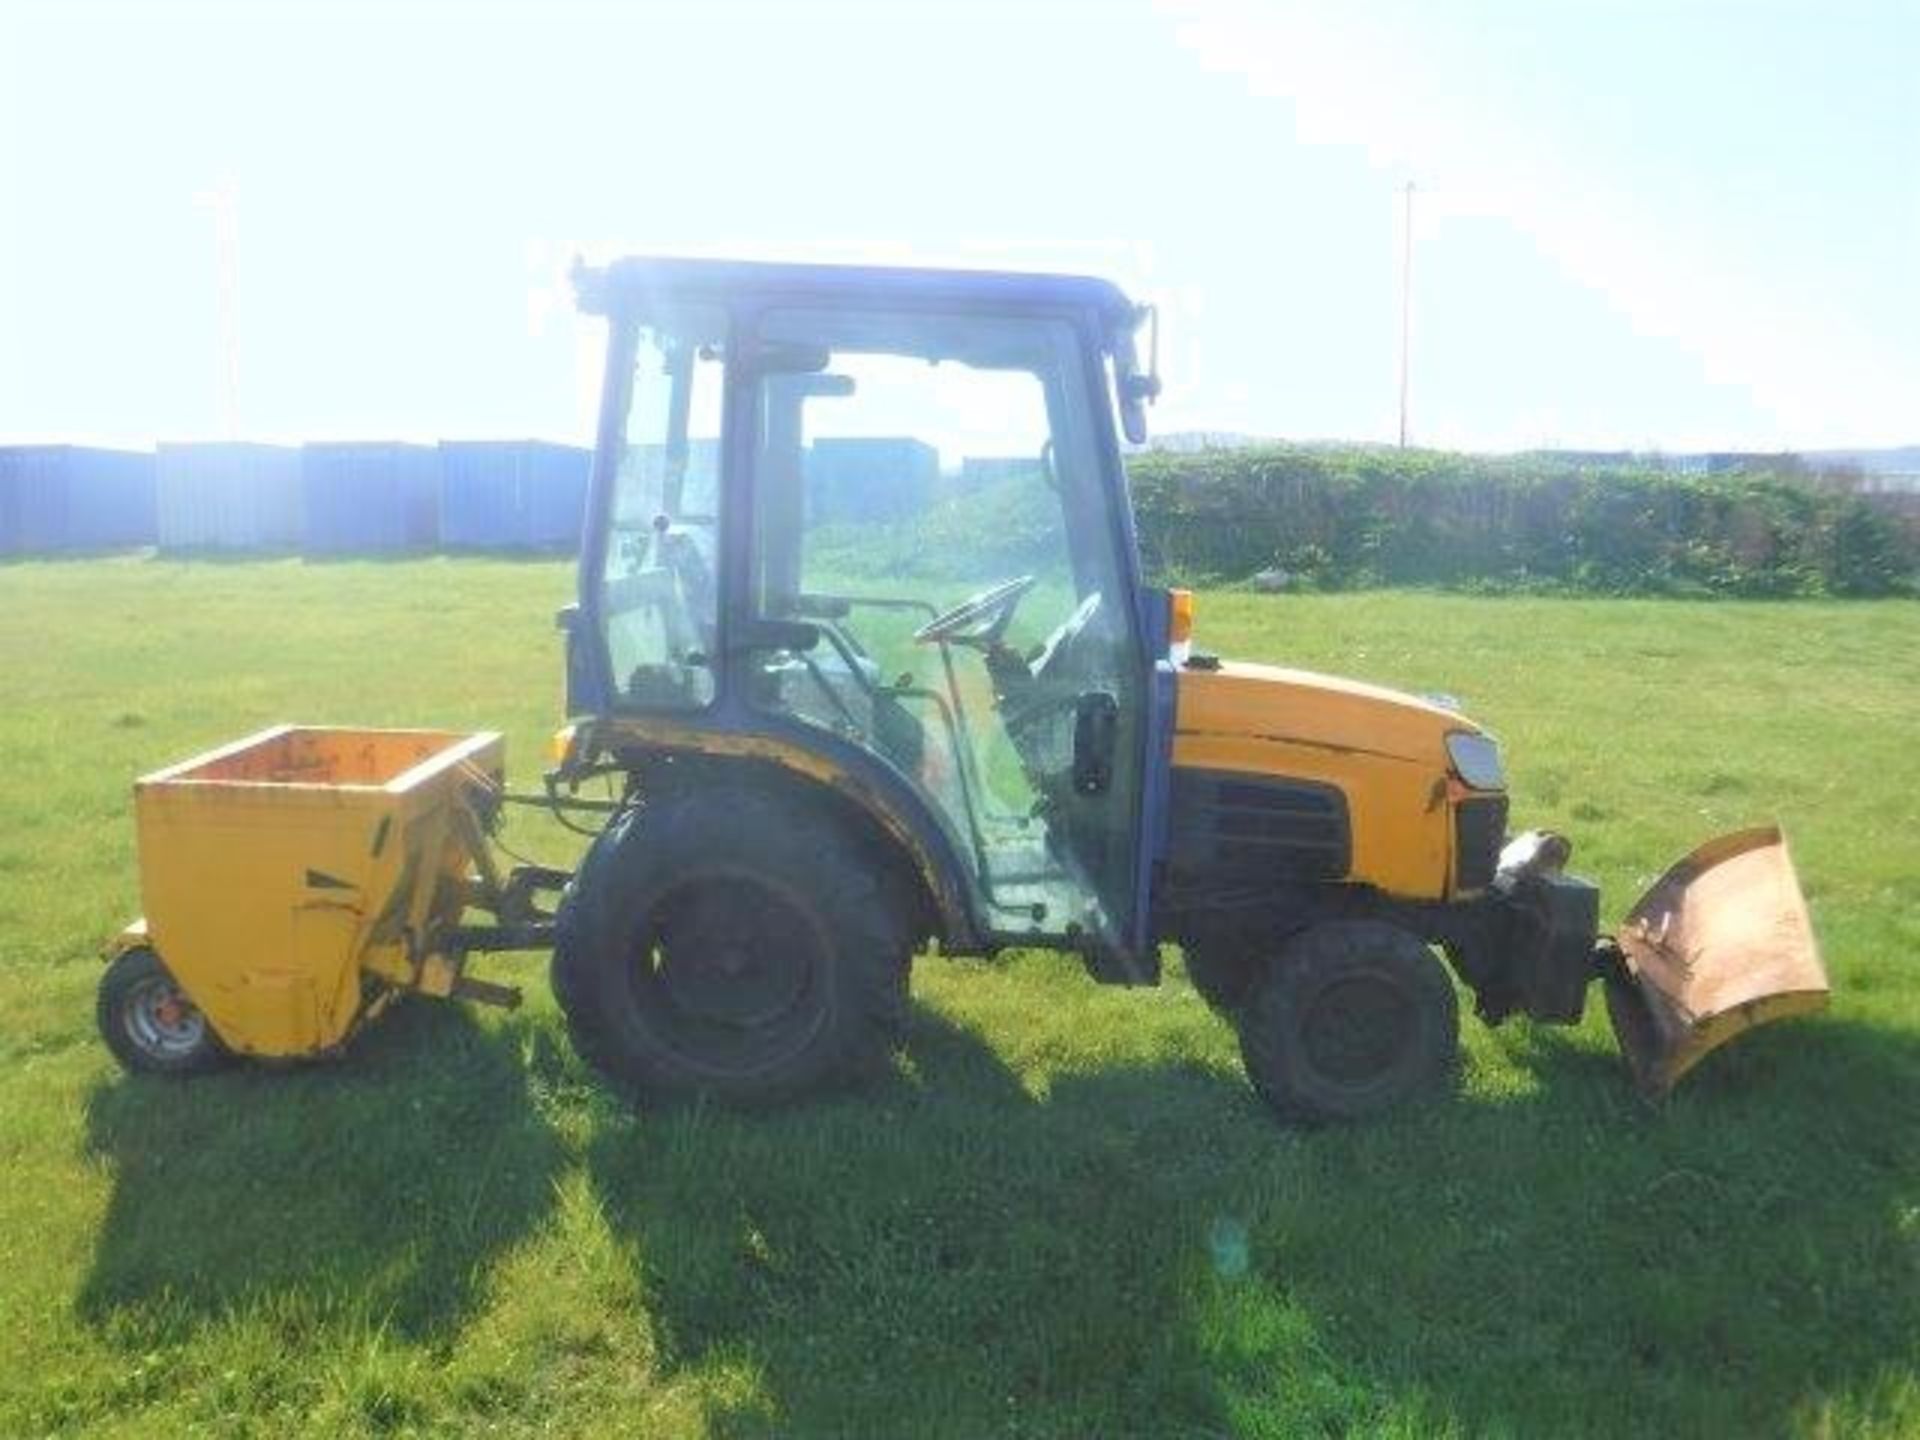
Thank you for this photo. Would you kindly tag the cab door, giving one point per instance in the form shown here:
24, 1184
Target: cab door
938, 569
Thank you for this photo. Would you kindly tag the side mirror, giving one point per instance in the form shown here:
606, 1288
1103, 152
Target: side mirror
1134, 388
1048, 472
1096, 728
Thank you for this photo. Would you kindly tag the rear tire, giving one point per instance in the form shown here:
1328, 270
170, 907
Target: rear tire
734, 943
148, 1022
1349, 1019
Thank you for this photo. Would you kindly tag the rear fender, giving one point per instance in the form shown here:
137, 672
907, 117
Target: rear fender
663, 752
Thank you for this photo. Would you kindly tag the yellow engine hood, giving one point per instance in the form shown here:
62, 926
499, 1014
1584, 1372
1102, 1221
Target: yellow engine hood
1269, 702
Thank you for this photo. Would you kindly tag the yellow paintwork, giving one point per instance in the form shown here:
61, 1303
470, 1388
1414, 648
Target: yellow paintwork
1272, 703
278, 870
1385, 751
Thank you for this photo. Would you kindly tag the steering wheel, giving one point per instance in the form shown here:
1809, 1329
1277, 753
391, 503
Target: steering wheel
979, 619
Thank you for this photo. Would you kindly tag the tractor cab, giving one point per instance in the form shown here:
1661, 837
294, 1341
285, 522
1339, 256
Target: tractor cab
875, 521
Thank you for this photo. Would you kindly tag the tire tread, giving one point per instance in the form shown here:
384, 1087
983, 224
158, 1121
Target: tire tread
1269, 1021
772, 829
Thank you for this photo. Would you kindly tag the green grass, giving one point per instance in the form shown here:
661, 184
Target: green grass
1063, 1214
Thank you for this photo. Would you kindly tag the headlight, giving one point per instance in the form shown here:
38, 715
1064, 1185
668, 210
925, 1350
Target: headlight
1476, 760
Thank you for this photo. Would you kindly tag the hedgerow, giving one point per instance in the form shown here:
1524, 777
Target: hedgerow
1334, 518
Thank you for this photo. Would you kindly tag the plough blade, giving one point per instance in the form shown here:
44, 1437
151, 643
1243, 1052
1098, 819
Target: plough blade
1722, 942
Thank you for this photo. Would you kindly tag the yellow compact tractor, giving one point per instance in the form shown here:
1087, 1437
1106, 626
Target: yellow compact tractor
862, 641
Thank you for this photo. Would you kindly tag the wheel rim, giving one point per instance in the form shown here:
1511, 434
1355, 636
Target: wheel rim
729, 974
1359, 1030
162, 1021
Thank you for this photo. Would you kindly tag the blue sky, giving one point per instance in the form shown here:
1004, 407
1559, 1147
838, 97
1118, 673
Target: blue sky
1659, 225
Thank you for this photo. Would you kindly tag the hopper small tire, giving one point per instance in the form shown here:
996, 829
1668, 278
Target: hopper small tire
148, 1022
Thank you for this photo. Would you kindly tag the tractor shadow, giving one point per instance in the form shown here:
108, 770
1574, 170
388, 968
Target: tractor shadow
1140, 1250
372, 1188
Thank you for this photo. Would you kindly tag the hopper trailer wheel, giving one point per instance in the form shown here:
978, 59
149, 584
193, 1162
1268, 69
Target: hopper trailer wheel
1349, 1019
733, 943
149, 1023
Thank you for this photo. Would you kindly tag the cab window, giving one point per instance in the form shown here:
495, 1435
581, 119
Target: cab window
930, 511
659, 592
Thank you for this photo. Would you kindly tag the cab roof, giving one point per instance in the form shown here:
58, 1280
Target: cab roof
624, 283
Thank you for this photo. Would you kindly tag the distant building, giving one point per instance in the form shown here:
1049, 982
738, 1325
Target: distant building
859, 479
73, 497
511, 495
229, 496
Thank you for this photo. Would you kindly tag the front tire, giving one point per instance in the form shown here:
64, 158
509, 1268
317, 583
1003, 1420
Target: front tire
148, 1022
1350, 1019
733, 943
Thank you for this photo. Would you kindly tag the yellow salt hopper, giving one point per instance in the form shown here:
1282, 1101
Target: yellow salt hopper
297, 881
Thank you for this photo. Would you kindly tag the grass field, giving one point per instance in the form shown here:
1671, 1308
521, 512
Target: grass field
1063, 1214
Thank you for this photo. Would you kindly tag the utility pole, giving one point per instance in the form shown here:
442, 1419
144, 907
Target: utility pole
1406, 309
222, 200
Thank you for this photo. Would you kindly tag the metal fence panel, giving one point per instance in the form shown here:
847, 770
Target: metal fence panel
511, 495
369, 497
228, 497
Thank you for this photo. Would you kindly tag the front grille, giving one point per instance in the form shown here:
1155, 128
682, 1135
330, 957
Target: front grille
1258, 827
1479, 830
